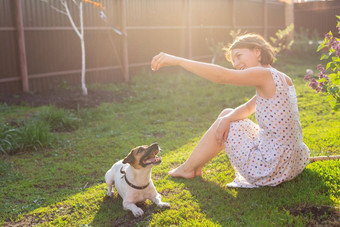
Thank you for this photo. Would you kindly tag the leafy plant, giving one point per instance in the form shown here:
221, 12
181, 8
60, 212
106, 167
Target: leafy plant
328, 82
35, 132
305, 42
281, 40
33, 135
29, 135
58, 119
7, 138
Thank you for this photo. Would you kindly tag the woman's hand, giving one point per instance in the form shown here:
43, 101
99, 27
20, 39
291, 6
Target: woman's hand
163, 59
222, 130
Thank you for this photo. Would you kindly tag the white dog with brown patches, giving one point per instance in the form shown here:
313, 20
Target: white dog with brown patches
132, 178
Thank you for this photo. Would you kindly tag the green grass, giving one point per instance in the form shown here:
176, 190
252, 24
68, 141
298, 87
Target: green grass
28, 136
63, 185
32, 130
58, 119
7, 138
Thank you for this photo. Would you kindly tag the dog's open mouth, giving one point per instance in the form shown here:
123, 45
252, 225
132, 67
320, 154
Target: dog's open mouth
152, 159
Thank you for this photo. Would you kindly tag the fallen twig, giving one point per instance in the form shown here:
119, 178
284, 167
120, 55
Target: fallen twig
323, 158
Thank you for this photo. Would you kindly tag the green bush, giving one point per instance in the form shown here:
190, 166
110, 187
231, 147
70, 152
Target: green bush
35, 131
328, 79
8, 137
304, 43
29, 135
280, 41
34, 135
59, 120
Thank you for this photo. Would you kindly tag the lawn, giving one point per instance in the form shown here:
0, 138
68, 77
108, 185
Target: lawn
61, 182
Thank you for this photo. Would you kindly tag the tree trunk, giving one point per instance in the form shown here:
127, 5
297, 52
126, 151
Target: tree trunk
83, 56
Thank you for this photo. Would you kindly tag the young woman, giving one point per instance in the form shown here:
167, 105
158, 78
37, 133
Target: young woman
266, 154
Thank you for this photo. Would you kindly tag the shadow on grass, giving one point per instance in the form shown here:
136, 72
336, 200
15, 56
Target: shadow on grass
111, 213
42, 179
60, 185
307, 196
225, 205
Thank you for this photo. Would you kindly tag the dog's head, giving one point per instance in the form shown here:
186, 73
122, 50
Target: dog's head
143, 156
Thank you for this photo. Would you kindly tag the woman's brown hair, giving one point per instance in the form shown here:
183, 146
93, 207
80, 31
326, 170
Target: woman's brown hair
251, 41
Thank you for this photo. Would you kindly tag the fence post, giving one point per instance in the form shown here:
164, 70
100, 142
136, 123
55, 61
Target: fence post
189, 30
265, 19
125, 41
21, 46
233, 17
233, 22
289, 16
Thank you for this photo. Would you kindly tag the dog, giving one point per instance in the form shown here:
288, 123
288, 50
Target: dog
131, 177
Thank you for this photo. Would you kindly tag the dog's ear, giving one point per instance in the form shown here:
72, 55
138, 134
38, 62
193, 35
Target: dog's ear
129, 159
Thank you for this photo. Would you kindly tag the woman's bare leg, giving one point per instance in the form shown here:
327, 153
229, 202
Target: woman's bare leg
206, 149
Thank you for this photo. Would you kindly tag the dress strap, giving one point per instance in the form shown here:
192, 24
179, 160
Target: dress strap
279, 78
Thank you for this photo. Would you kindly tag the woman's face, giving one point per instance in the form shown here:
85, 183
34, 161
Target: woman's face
244, 58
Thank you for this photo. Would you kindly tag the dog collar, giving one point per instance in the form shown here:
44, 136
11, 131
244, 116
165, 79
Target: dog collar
130, 184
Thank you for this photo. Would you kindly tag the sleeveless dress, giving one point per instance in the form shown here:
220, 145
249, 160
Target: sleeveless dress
273, 151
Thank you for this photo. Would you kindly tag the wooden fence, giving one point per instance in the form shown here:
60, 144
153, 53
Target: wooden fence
317, 17
40, 50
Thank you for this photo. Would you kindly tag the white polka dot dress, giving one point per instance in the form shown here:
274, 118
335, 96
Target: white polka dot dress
273, 151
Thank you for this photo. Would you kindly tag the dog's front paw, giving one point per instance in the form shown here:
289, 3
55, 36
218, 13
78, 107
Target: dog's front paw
137, 212
164, 204
109, 193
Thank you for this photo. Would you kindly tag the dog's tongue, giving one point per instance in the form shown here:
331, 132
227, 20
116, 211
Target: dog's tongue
151, 160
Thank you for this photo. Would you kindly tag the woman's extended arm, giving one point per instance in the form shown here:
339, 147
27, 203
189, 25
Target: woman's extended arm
241, 112
250, 77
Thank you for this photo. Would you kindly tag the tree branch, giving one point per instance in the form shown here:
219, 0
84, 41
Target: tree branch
58, 10
74, 1
322, 158
81, 18
64, 3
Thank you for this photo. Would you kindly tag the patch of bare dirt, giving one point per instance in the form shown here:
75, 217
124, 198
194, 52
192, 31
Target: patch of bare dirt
319, 215
39, 218
28, 221
66, 98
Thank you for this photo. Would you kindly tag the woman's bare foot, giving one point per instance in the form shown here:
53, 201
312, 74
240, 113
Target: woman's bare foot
198, 171
181, 171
